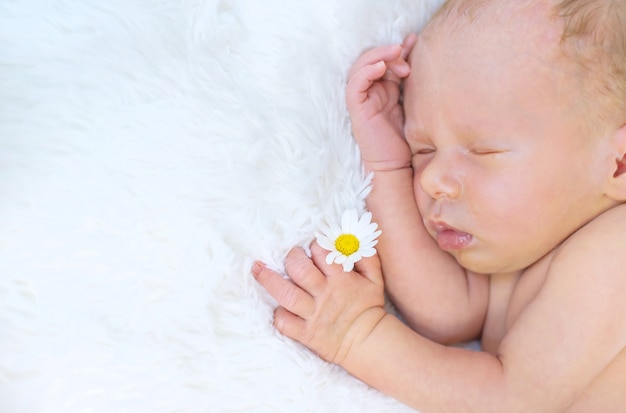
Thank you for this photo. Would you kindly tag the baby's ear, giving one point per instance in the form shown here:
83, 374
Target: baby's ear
618, 183
621, 167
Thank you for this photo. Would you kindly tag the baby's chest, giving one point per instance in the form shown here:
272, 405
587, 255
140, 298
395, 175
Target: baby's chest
508, 297
524, 292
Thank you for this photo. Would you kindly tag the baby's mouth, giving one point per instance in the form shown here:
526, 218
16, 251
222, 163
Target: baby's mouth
449, 238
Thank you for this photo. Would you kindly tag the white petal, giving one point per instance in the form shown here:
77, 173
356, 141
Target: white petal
341, 258
348, 266
325, 242
332, 256
373, 244
369, 242
365, 220
370, 237
334, 229
324, 231
370, 230
368, 252
356, 256
330, 231
349, 220
367, 216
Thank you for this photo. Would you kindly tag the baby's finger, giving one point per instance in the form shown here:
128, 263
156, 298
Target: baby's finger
360, 82
304, 273
407, 45
370, 268
286, 293
377, 54
289, 324
392, 77
399, 68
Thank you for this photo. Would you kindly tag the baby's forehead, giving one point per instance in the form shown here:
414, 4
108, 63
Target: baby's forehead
525, 18
518, 30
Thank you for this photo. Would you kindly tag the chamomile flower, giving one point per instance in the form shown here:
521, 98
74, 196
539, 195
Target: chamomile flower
351, 241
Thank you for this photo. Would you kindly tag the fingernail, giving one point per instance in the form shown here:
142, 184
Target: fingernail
279, 322
256, 269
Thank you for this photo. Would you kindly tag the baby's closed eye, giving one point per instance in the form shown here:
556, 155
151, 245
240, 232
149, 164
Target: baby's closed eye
485, 151
424, 151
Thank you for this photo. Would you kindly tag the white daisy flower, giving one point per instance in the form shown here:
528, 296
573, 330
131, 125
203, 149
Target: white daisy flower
351, 241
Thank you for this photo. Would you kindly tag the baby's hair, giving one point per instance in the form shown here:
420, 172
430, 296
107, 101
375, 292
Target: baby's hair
593, 38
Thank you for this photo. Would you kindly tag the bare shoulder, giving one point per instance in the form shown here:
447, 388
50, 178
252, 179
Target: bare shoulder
598, 246
574, 327
589, 267
587, 280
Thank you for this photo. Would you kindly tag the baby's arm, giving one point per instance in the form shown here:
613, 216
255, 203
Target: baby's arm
567, 339
565, 352
433, 293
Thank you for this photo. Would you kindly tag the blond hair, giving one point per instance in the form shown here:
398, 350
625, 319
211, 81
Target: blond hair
594, 36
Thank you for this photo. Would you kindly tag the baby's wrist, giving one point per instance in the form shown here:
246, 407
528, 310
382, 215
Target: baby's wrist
358, 350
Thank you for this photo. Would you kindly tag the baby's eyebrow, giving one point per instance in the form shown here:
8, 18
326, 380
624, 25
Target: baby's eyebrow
416, 134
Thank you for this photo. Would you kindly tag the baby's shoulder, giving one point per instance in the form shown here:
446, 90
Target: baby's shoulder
608, 226
597, 248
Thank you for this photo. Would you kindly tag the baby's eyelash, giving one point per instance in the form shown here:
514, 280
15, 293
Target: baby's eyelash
486, 151
479, 151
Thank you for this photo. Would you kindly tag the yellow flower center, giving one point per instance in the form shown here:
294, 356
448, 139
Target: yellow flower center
347, 244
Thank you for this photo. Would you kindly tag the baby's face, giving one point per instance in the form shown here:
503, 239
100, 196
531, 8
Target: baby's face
504, 171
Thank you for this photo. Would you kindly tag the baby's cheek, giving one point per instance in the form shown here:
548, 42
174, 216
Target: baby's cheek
421, 197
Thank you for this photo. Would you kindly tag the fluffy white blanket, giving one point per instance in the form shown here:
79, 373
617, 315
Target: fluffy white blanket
149, 151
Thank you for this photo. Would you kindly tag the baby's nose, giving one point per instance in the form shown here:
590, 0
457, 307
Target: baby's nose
439, 179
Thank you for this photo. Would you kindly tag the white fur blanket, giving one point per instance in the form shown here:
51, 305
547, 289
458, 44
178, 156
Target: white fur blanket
149, 151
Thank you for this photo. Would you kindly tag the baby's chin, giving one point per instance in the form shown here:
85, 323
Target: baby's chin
482, 264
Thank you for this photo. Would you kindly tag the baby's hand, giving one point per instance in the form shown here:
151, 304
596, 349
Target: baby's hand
323, 307
372, 97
